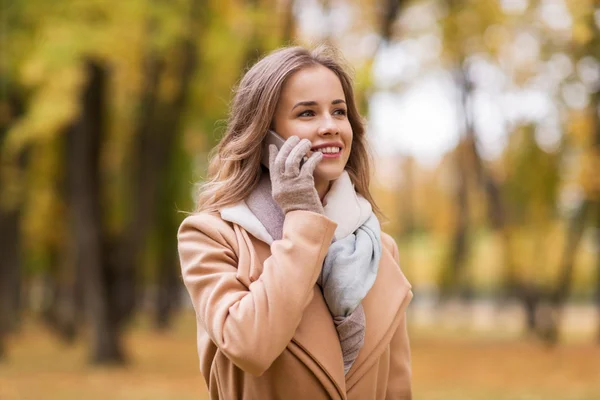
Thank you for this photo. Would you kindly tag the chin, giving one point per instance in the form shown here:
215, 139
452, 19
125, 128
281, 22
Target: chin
329, 173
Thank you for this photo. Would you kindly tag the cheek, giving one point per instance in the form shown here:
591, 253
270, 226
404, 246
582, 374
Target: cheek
349, 142
297, 129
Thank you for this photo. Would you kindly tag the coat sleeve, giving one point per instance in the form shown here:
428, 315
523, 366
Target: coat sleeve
400, 377
252, 325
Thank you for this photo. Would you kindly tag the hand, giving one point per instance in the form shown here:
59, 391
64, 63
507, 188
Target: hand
293, 186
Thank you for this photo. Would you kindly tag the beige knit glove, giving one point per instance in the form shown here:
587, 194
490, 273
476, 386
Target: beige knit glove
292, 186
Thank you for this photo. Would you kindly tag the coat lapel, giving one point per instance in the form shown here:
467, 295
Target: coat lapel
316, 335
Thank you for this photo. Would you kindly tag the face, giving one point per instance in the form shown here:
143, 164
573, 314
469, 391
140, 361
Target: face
312, 105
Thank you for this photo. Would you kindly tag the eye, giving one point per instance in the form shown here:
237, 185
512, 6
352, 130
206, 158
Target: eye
340, 111
307, 113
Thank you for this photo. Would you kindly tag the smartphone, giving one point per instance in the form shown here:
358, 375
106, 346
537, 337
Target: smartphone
278, 141
271, 138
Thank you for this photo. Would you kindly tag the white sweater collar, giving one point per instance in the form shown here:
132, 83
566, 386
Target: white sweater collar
342, 205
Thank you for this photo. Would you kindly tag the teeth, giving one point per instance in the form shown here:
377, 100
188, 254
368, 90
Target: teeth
329, 150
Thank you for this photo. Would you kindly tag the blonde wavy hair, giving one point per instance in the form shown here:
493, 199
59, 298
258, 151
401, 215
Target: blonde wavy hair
235, 168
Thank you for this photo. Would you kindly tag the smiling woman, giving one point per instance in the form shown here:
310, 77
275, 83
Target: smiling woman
297, 292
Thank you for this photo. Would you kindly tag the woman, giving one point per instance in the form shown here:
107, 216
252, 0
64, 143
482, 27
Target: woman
297, 292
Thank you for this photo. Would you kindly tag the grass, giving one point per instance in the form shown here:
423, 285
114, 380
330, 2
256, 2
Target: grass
164, 366
501, 370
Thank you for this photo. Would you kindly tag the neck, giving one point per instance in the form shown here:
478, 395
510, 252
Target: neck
322, 187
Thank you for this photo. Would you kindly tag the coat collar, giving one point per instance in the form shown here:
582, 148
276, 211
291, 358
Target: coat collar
316, 336
341, 204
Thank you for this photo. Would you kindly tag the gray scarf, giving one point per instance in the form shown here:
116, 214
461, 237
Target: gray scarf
348, 272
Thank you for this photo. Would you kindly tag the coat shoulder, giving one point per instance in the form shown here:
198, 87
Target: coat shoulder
209, 224
203, 219
390, 245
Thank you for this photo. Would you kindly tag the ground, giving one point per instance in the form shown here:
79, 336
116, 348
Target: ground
164, 366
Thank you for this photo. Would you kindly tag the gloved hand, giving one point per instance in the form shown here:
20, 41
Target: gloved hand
293, 187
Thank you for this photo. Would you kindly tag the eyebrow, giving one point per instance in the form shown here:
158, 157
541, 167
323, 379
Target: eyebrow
314, 103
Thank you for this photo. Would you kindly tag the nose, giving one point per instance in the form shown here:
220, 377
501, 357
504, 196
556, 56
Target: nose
328, 126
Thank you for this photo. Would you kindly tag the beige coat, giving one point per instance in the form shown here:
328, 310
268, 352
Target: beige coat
264, 330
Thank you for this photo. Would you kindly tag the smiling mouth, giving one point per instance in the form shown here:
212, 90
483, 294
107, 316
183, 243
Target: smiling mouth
329, 150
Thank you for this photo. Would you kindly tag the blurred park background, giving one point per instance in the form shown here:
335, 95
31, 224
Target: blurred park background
483, 117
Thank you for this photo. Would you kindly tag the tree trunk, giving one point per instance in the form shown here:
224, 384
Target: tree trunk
9, 273
60, 311
83, 144
63, 307
452, 274
549, 317
530, 299
390, 12
10, 279
408, 204
598, 262
169, 286
577, 225
596, 107
463, 158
